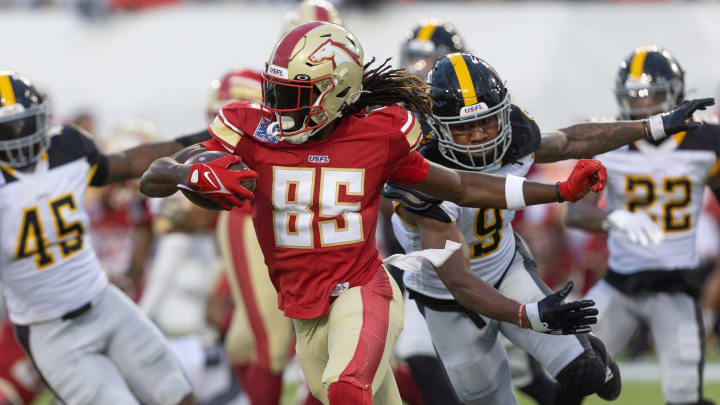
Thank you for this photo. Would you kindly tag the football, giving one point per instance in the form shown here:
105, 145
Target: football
209, 156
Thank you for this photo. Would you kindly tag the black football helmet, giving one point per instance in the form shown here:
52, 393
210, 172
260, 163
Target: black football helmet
465, 88
426, 43
648, 82
23, 121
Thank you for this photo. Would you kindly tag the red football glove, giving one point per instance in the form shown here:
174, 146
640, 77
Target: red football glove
588, 174
213, 180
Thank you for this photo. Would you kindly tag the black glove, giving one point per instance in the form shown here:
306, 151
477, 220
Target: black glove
676, 120
551, 315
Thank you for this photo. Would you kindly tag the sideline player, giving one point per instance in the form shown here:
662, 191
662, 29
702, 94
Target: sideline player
654, 197
328, 135
88, 341
478, 129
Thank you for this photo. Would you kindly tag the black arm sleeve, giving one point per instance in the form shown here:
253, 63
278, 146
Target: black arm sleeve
187, 140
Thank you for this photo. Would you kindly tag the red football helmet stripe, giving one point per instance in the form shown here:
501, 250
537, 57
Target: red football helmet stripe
284, 49
321, 14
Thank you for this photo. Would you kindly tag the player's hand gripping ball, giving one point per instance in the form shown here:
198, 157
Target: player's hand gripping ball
218, 181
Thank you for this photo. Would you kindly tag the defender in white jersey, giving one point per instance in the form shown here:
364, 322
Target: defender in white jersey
88, 341
478, 129
654, 198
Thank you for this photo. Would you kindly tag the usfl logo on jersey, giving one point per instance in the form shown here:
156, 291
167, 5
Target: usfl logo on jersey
261, 132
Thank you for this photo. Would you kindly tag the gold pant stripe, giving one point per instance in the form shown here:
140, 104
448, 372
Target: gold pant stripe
637, 63
464, 80
7, 94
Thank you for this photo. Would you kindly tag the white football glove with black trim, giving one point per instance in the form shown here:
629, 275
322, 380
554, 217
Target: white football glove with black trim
638, 226
551, 315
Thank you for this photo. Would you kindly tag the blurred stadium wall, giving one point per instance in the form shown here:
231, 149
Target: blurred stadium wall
559, 59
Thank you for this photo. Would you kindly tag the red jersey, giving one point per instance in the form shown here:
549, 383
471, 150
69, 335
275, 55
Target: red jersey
316, 204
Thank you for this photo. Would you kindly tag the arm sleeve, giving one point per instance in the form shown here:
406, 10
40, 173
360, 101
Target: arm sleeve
404, 165
411, 169
192, 139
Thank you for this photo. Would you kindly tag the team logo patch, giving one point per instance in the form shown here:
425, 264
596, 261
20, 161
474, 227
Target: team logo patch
322, 159
339, 289
473, 109
261, 132
277, 71
335, 52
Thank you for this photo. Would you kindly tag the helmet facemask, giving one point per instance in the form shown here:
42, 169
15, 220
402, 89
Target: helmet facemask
23, 134
640, 99
482, 156
296, 106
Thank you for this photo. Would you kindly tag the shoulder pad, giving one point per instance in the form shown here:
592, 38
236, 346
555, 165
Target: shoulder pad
525, 135
408, 197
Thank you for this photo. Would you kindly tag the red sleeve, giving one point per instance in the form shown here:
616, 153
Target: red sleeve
412, 169
213, 144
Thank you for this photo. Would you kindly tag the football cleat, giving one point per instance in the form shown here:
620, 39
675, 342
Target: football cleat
612, 387
23, 121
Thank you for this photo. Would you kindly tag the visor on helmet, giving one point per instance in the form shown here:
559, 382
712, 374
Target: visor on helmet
643, 100
480, 156
23, 134
296, 104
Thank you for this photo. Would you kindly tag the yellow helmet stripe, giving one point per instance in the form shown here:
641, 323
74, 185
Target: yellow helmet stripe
464, 80
637, 63
7, 94
426, 32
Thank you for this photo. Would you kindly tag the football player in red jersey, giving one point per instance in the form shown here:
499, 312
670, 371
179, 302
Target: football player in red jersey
329, 134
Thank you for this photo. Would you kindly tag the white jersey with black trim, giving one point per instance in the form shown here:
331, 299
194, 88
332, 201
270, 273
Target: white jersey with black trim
488, 233
47, 263
667, 182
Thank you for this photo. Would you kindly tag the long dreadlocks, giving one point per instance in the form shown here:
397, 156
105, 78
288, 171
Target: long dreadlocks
384, 85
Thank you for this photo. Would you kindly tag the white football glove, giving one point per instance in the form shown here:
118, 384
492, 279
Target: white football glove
638, 226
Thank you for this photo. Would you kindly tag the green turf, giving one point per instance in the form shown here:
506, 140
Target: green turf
637, 393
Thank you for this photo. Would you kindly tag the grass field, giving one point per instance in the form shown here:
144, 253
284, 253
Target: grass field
638, 393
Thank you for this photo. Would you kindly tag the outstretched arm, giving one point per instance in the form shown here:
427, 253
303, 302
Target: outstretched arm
587, 140
638, 225
131, 163
586, 215
475, 189
590, 139
163, 175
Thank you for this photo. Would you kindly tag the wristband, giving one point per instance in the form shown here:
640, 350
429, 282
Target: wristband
514, 192
657, 130
646, 128
533, 314
520, 317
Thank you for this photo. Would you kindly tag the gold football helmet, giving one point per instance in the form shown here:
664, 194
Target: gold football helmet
311, 10
313, 73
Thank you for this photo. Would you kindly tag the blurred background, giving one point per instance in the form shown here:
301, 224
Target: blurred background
131, 71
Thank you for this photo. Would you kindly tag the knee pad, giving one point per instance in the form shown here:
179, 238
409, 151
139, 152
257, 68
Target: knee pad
583, 376
592, 372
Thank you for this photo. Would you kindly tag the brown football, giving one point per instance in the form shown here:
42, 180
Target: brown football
209, 156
